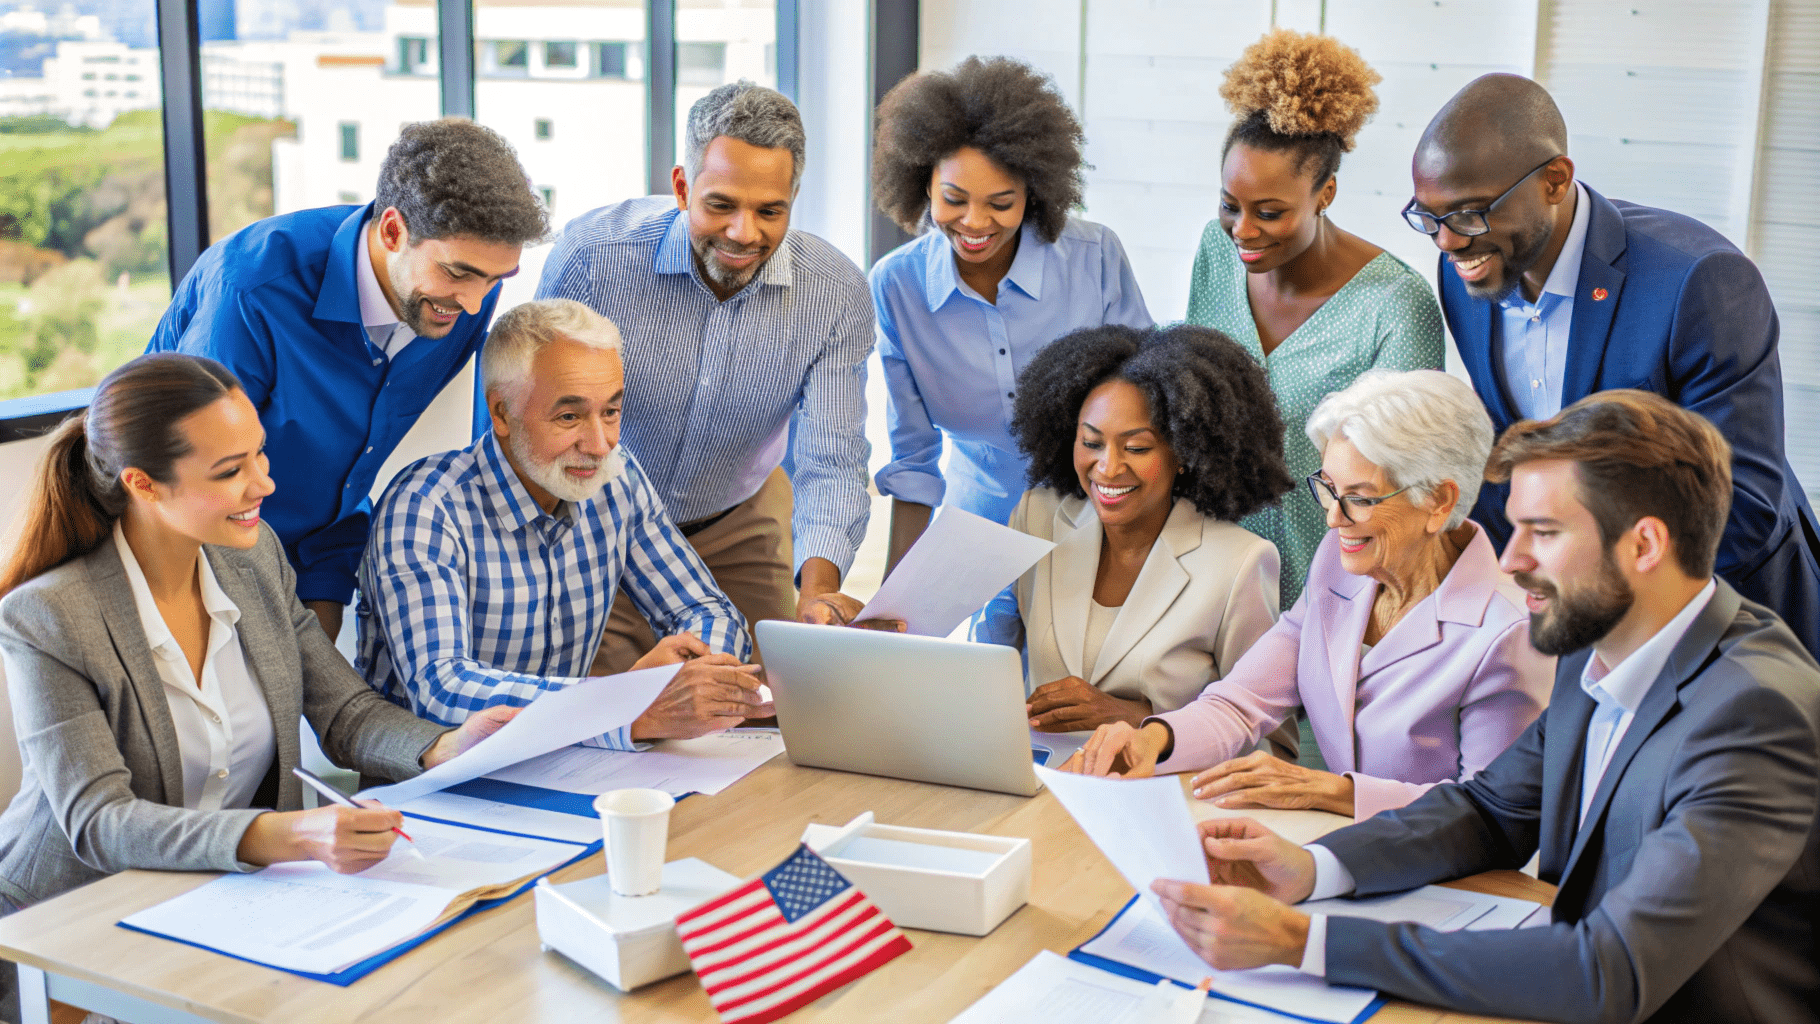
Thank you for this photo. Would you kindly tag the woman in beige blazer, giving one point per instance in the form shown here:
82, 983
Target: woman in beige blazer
159, 660
1144, 447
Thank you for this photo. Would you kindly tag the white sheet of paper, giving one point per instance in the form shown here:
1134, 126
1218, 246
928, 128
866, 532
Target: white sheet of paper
1142, 938
556, 719
319, 922
305, 917
1052, 989
707, 764
959, 563
1141, 825
530, 821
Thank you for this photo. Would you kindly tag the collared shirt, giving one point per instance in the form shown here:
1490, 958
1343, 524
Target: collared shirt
472, 595
1534, 335
224, 728
388, 334
711, 386
278, 302
1618, 692
951, 358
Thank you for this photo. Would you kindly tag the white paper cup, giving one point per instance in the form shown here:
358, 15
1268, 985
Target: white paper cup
637, 824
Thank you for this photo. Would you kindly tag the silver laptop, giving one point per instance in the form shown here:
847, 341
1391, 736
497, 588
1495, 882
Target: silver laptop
907, 707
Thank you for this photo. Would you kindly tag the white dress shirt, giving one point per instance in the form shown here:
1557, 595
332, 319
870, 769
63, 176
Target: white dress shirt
224, 728
1618, 692
376, 315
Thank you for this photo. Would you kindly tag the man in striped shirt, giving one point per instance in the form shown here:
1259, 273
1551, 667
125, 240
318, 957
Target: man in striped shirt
735, 326
492, 569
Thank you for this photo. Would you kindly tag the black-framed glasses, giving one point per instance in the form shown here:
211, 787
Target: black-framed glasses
1354, 508
1466, 223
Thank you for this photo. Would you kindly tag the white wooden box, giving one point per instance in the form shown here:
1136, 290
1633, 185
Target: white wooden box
921, 878
628, 940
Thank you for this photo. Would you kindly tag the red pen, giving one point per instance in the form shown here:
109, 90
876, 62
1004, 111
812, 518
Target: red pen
315, 782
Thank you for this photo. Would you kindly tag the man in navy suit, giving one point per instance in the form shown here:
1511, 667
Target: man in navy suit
1554, 292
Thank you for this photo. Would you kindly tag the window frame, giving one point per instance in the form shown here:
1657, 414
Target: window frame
186, 168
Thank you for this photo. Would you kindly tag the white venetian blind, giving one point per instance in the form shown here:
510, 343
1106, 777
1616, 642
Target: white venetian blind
1785, 230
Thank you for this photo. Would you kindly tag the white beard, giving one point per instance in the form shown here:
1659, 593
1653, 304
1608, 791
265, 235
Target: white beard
553, 476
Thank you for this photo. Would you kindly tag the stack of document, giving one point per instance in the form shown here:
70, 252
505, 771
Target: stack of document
678, 767
304, 917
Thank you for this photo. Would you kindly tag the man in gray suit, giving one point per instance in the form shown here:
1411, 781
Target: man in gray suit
1670, 787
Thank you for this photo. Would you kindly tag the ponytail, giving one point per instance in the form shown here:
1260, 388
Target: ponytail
77, 494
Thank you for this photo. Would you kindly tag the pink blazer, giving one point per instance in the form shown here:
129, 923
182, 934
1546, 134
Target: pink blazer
1441, 695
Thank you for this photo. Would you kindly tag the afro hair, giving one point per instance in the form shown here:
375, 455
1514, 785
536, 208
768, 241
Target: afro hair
1306, 93
1002, 107
1208, 398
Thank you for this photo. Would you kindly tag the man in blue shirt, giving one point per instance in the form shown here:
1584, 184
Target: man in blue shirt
343, 323
742, 338
1554, 292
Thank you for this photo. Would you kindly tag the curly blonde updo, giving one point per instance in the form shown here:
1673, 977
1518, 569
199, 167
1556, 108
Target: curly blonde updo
1307, 93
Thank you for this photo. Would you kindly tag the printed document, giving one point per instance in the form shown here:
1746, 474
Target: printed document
959, 563
304, 917
503, 817
556, 719
1140, 937
707, 764
1053, 989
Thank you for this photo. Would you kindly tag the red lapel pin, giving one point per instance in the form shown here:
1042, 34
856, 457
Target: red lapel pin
1599, 294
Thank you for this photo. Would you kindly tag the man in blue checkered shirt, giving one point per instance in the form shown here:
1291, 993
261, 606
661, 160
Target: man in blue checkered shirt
492, 570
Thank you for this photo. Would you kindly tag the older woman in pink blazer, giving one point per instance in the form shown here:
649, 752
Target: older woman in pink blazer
1409, 648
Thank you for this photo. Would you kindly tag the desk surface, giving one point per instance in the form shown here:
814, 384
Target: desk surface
491, 967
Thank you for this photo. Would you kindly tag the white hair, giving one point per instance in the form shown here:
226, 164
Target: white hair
1422, 427
522, 331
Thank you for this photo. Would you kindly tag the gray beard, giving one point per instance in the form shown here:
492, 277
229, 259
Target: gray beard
551, 476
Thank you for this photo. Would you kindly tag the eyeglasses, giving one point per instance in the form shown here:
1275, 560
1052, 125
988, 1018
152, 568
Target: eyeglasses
1354, 508
1466, 223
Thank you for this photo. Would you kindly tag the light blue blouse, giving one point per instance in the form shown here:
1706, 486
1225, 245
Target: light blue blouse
951, 358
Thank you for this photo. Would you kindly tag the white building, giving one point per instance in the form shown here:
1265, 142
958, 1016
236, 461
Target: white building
87, 83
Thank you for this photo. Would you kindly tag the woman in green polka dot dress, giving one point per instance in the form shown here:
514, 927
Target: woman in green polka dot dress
1315, 304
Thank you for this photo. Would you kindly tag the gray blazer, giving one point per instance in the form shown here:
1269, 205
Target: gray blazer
1693, 889
103, 778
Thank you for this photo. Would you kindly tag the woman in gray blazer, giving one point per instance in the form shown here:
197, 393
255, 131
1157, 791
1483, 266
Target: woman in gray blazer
1145, 447
158, 658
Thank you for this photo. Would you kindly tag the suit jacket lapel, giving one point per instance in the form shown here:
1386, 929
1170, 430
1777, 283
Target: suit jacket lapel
1158, 584
1345, 633
1688, 658
1073, 565
1569, 711
1470, 320
113, 595
1591, 331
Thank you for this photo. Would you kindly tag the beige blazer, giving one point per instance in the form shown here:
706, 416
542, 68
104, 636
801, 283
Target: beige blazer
1207, 592
103, 774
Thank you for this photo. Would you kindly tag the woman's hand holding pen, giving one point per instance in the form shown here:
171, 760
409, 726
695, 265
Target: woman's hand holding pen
347, 839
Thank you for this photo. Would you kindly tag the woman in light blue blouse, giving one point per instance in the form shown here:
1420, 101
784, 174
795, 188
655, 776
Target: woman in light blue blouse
985, 161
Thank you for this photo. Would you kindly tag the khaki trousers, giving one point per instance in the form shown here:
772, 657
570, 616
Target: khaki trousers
751, 556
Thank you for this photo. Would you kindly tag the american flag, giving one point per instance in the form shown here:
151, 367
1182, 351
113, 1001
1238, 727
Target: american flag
785, 939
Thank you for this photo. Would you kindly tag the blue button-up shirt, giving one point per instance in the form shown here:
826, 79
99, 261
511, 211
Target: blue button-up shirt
472, 595
951, 358
711, 386
1534, 334
277, 302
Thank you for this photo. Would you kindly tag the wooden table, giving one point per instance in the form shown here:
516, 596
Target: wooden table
490, 967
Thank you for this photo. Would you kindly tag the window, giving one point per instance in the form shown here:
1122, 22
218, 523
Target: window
610, 61
414, 56
350, 141
509, 57
543, 129
559, 55
701, 63
84, 272
549, 197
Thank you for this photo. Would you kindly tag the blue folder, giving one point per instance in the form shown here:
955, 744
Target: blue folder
485, 789
1127, 971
